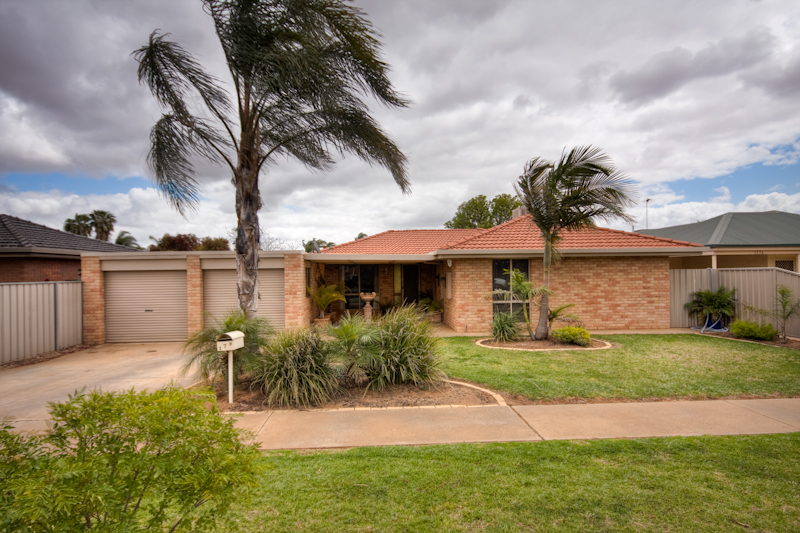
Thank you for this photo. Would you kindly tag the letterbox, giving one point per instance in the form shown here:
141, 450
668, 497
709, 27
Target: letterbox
232, 340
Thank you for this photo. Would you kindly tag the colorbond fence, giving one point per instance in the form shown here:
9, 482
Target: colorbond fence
754, 286
36, 318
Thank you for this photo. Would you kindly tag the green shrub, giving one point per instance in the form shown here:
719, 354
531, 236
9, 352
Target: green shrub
127, 461
572, 335
211, 365
504, 327
750, 330
407, 348
294, 370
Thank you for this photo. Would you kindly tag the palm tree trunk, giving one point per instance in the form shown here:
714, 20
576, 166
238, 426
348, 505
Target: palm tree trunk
544, 303
248, 202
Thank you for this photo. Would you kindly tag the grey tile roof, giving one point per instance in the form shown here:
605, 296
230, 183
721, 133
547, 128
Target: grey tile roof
769, 228
18, 233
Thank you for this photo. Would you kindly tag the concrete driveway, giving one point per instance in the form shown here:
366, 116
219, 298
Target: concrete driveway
25, 390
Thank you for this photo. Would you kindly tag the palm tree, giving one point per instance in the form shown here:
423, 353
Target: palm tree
80, 225
573, 194
102, 223
124, 238
299, 72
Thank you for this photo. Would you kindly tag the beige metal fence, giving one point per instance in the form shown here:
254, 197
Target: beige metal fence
756, 287
36, 318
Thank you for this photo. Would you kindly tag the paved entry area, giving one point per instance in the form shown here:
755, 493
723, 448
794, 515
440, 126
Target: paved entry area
25, 390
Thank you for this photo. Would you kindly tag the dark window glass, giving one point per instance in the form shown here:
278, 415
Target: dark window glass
350, 278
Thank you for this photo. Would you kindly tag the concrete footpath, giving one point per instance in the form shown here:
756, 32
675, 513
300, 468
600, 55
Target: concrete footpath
496, 423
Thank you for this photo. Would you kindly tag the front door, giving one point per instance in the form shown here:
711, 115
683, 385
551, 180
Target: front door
411, 283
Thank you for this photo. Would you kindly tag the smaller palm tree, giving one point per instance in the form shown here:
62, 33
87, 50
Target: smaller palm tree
80, 225
102, 223
124, 238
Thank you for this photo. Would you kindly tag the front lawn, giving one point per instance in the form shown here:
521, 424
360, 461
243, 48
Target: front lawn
728, 484
638, 367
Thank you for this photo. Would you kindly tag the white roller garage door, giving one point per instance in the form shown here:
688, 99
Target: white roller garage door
219, 295
146, 306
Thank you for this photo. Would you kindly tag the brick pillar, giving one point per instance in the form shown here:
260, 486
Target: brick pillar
296, 304
194, 292
94, 301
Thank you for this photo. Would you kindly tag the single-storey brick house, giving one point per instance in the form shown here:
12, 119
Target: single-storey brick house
616, 280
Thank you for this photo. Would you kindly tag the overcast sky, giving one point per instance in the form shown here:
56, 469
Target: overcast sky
698, 102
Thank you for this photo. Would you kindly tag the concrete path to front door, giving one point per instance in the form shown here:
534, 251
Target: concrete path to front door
498, 423
25, 390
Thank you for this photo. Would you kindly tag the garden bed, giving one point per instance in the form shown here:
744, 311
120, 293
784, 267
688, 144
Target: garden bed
396, 396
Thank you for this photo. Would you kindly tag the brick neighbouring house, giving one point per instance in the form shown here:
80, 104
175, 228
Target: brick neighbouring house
616, 280
30, 252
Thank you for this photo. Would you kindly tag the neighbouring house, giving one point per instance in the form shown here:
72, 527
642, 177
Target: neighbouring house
616, 279
31, 252
769, 239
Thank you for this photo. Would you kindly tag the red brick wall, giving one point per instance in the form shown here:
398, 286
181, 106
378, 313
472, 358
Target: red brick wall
297, 306
611, 292
94, 302
30, 270
470, 309
194, 293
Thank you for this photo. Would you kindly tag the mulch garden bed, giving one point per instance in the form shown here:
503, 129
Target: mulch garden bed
545, 344
790, 343
396, 396
41, 358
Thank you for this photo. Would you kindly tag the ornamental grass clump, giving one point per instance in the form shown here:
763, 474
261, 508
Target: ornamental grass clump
210, 365
571, 335
504, 327
407, 348
294, 370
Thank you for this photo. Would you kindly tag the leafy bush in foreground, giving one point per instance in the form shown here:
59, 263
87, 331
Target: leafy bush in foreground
294, 370
572, 335
504, 327
750, 330
126, 461
408, 350
209, 364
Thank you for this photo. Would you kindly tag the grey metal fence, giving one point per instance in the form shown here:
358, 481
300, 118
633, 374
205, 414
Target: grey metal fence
36, 318
756, 287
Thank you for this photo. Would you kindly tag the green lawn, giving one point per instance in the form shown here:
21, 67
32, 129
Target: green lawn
639, 366
668, 484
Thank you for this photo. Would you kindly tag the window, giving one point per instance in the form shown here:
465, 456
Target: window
358, 279
501, 278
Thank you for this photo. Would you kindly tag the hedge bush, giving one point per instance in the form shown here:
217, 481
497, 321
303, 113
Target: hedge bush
572, 335
750, 330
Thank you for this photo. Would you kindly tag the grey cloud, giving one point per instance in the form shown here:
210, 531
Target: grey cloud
667, 72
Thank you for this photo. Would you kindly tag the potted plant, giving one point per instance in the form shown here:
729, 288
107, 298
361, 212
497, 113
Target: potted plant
324, 296
712, 307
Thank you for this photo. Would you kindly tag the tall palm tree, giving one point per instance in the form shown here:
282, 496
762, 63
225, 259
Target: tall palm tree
124, 238
572, 194
299, 70
80, 225
102, 223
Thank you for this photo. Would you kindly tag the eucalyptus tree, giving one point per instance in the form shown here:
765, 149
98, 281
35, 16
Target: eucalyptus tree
300, 73
102, 223
574, 193
80, 225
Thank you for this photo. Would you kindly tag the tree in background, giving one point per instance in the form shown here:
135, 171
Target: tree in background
573, 194
309, 246
102, 224
300, 70
124, 238
478, 212
80, 225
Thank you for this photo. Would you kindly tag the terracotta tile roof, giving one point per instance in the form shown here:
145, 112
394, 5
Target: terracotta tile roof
414, 241
520, 233
18, 233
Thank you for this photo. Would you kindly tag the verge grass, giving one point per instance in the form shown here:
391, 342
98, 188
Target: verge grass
637, 367
693, 484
